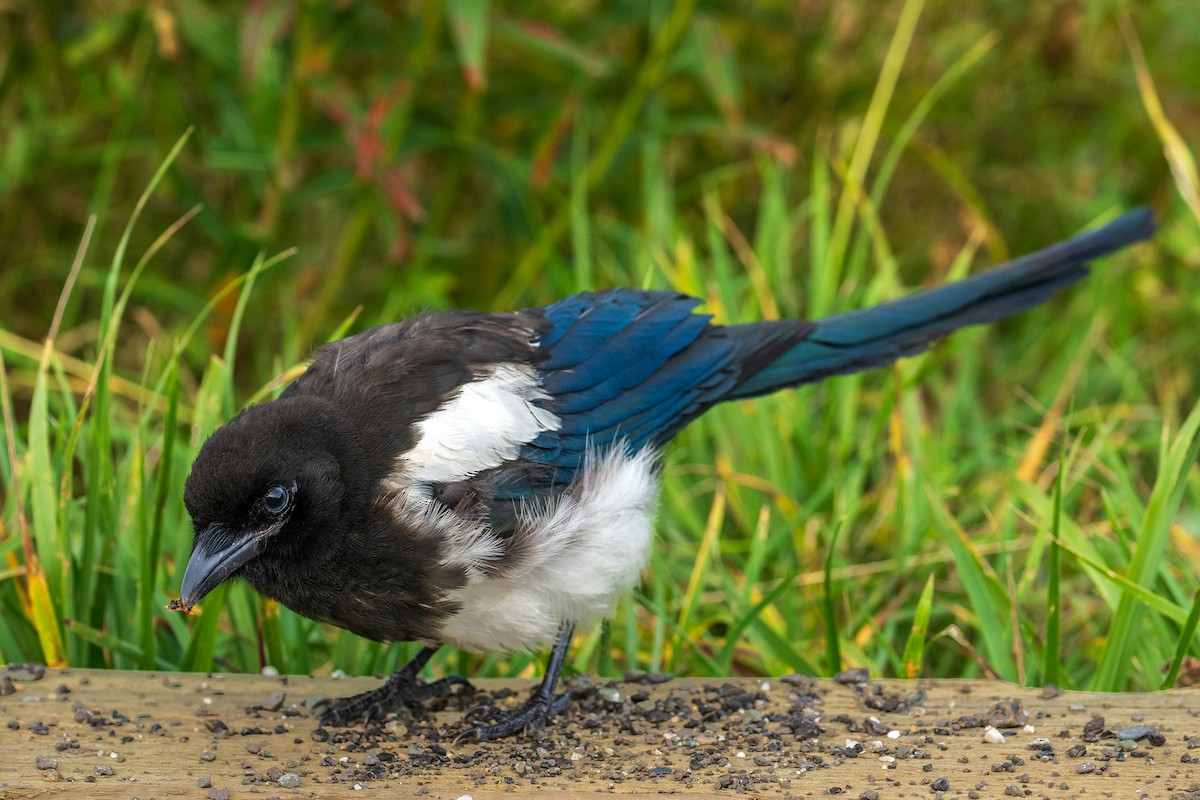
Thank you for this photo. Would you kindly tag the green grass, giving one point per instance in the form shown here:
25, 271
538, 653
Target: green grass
194, 198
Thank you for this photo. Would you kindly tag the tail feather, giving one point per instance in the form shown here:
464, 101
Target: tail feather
876, 336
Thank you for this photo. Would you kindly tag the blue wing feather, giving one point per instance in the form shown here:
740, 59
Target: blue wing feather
636, 366
625, 365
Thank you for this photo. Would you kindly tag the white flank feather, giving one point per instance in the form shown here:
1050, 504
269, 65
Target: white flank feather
584, 551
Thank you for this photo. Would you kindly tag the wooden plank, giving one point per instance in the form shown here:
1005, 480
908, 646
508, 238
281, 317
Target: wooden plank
129, 734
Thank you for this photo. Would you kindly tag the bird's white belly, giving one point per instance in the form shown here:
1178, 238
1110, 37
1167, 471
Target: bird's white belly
579, 555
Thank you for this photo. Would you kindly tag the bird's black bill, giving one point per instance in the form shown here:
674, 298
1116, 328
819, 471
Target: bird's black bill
209, 565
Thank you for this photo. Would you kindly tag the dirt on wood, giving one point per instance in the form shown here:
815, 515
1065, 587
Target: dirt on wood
108, 734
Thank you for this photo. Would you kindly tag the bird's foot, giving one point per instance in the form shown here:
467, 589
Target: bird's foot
399, 690
528, 719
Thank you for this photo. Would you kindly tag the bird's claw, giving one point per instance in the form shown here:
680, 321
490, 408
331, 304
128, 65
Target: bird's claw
375, 704
342, 712
484, 710
528, 719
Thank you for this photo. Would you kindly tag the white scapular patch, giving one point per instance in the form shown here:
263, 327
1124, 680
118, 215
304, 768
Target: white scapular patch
579, 554
481, 427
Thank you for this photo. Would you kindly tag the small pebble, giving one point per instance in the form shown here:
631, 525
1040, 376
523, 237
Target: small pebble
289, 780
940, 785
993, 736
1085, 768
852, 677
25, 672
1135, 733
204, 783
274, 701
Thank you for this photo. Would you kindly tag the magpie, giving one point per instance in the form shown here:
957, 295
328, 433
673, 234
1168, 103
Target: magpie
488, 480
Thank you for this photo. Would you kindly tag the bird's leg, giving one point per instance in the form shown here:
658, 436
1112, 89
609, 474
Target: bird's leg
405, 686
541, 706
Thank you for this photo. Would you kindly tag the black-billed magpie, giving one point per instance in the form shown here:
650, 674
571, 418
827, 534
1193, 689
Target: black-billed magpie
488, 480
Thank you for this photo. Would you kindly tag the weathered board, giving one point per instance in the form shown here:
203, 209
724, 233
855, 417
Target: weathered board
102, 734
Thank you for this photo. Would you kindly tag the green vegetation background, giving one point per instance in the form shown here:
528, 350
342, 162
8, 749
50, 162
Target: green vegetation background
1020, 502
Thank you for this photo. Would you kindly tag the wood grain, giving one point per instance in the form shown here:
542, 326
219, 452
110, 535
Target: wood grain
157, 735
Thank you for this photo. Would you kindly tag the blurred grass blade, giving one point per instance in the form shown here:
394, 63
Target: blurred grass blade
152, 549
1175, 149
1052, 652
712, 530
581, 221
1176, 460
908, 131
198, 656
37, 597
469, 23
914, 648
989, 600
235, 326
112, 643
716, 61
48, 589
1187, 634
833, 654
542, 38
1146, 596
733, 636
824, 273
868, 136
45, 616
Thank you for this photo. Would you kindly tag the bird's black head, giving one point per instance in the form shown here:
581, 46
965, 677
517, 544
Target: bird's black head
259, 489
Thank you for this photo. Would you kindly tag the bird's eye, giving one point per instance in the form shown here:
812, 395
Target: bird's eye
277, 499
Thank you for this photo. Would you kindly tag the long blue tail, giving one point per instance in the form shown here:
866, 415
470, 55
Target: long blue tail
876, 336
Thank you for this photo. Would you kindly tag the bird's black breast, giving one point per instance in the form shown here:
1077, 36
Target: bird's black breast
387, 583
